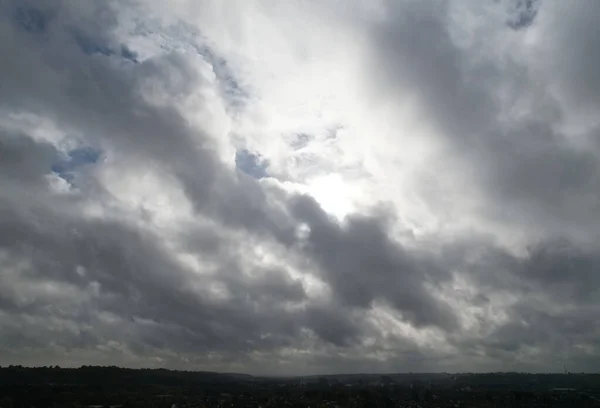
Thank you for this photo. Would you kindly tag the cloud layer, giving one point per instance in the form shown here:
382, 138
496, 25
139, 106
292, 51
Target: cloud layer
300, 187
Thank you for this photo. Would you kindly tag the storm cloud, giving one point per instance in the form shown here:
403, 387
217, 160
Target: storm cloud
307, 188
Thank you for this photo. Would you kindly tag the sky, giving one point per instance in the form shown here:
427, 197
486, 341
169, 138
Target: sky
301, 186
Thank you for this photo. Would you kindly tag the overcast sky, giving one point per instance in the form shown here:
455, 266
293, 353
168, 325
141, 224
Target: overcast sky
300, 186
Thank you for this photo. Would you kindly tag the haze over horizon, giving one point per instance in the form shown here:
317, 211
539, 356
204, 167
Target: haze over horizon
300, 187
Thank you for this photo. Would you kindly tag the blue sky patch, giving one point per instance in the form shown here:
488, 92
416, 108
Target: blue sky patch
66, 167
251, 163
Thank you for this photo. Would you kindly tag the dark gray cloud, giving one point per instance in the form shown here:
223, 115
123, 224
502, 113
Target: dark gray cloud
527, 164
522, 13
111, 276
260, 279
70, 269
573, 55
23, 160
529, 171
363, 264
551, 305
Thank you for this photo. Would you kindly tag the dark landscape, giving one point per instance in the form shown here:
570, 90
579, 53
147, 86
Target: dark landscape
96, 387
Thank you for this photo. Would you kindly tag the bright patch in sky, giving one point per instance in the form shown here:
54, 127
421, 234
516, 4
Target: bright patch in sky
332, 193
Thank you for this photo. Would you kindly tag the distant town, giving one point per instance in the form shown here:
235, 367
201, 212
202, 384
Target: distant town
114, 387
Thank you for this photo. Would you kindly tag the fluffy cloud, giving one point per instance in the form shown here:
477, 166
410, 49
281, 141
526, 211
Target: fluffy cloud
299, 187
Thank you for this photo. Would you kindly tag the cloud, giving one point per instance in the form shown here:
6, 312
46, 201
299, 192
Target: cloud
522, 13
361, 263
425, 197
30, 19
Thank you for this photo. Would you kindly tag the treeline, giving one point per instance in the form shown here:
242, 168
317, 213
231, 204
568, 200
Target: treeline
111, 375
577, 381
